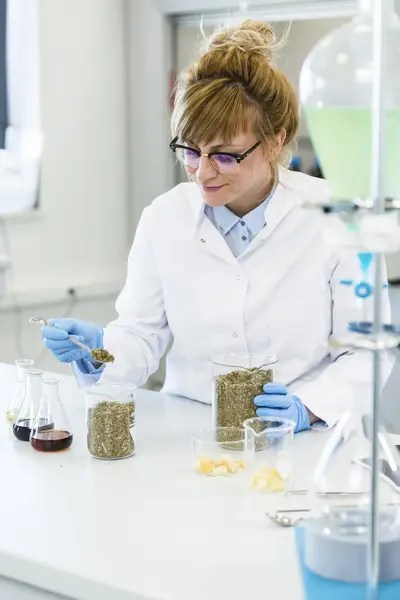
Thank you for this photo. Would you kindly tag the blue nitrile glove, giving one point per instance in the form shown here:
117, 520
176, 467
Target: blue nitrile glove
56, 338
276, 402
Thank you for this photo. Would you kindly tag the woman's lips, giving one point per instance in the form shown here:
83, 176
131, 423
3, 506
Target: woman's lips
211, 188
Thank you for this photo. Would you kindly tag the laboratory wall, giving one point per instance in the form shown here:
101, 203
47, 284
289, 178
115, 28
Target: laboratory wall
78, 237
149, 76
104, 96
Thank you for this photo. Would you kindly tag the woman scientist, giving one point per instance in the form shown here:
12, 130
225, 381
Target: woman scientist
231, 260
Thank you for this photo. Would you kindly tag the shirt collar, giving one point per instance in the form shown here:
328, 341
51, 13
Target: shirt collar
226, 219
255, 220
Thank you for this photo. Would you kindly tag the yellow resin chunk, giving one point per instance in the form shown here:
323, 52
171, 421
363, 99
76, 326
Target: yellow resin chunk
225, 465
205, 465
268, 480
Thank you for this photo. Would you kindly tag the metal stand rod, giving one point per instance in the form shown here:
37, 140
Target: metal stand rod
380, 16
373, 547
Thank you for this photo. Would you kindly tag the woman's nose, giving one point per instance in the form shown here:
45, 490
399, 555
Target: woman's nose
205, 169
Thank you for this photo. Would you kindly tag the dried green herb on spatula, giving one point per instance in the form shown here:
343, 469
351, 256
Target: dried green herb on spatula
102, 355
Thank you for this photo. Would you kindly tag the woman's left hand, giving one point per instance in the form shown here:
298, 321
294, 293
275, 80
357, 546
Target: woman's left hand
277, 402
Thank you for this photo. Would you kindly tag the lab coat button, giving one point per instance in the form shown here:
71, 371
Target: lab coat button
234, 334
238, 277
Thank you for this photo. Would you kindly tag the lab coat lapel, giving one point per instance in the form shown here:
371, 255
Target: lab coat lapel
281, 204
211, 241
283, 201
206, 234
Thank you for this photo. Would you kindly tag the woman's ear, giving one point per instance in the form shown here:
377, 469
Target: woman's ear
276, 145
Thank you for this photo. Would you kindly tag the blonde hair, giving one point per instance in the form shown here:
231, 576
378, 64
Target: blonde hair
234, 87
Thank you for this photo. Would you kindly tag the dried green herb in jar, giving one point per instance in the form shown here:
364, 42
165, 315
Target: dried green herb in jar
235, 393
102, 355
109, 429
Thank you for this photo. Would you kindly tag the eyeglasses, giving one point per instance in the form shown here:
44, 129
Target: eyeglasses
223, 162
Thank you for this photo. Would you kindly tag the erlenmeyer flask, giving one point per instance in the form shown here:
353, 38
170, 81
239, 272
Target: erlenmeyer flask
336, 95
337, 535
58, 434
30, 404
18, 392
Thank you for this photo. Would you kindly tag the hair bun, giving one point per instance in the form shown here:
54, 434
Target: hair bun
250, 37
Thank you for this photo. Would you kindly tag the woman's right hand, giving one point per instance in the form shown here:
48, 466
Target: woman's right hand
55, 337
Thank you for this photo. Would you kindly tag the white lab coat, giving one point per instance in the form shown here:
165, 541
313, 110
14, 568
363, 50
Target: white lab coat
184, 285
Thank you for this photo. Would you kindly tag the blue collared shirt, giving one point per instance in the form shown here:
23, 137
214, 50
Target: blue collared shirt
238, 232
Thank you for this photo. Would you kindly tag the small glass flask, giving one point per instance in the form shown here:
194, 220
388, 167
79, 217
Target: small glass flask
30, 404
18, 392
51, 429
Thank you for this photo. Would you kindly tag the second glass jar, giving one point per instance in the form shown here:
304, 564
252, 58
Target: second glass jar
110, 420
237, 379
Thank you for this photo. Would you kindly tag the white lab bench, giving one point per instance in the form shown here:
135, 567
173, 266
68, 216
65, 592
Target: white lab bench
144, 528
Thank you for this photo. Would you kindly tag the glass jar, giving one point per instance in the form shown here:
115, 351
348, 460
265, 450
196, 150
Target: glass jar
110, 413
237, 379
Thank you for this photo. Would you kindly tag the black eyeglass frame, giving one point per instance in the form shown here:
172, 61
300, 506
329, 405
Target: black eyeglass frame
239, 157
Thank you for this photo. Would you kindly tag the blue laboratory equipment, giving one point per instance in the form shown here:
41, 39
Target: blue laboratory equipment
352, 104
363, 289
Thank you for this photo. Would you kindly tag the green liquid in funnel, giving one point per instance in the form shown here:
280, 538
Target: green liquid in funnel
342, 139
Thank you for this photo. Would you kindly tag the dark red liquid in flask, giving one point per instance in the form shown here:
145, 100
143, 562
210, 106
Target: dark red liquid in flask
51, 440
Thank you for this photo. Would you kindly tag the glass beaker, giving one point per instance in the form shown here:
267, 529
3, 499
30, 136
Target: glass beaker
29, 407
273, 465
111, 420
18, 392
51, 430
336, 95
222, 451
237, 380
